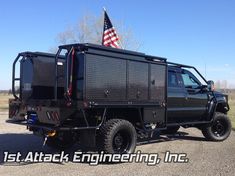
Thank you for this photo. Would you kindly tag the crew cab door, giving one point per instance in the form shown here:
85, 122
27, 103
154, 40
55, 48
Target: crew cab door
176, 96
196, 98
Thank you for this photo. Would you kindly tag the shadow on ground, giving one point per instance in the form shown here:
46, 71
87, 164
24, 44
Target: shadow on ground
171, 137
23, 143
14, 142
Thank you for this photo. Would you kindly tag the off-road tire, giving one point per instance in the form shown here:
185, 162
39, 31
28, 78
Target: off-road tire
112, 132
220, 128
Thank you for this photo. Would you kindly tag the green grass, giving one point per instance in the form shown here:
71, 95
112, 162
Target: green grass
231, 113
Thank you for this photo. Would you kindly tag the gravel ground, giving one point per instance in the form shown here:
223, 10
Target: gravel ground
205, 158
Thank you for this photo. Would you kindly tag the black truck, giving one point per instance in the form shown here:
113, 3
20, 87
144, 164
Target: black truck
109, 98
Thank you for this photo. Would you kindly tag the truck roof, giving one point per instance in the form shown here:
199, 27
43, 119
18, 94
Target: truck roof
87, 46
35, 54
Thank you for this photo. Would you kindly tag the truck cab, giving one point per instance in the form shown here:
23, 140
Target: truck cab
188, 98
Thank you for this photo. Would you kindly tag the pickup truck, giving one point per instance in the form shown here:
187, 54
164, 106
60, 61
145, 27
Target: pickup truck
110, 98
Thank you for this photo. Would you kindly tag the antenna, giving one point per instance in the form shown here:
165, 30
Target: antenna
205, 70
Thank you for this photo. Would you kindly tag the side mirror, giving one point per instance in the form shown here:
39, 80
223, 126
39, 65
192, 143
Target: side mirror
204, 88
211, 85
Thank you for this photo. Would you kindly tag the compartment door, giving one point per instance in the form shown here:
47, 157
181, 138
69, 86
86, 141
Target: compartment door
158, 93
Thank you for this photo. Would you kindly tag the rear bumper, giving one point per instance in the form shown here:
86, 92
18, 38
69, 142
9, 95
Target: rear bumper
49, 127
46, 114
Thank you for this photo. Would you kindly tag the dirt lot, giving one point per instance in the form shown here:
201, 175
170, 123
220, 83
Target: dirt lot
4, 103
205, 158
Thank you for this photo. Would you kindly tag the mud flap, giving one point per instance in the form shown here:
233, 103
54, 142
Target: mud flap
87, 138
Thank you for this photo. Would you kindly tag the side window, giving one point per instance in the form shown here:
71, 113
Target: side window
172, 79
189, 81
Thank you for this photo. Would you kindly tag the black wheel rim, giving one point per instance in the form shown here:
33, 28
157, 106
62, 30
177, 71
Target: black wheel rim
121, 142
219, 128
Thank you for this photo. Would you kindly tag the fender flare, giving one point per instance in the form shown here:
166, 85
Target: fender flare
213, 106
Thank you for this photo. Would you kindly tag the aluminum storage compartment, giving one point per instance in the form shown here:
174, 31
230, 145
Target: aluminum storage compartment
138, 81
38, 76
114, 77
105, 78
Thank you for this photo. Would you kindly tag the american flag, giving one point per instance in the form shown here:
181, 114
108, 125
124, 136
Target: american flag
110, 37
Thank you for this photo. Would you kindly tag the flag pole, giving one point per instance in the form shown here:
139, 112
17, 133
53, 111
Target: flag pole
117, 35
103, 27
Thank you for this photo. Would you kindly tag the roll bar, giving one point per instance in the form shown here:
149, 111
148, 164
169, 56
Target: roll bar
187, 66
14, 79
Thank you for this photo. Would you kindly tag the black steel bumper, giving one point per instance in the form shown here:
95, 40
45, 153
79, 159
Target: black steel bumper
50, 127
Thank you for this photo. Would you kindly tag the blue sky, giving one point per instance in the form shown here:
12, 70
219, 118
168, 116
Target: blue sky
196, 32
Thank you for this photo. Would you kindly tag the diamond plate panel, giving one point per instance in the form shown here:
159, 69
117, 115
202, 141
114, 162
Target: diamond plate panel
138, 81
158, 82
105, 78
